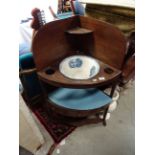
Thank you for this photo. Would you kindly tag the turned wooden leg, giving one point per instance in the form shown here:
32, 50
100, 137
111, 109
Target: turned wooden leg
113, 90
104, 118
106, 110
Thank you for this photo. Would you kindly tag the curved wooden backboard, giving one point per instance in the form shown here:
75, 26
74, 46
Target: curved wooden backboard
52, 43
109, 41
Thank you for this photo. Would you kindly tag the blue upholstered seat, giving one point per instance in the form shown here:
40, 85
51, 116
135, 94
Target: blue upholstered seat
79, 99
64, 15
31, 82
26, 61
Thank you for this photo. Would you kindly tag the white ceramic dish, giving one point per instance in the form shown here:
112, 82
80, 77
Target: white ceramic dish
79, 67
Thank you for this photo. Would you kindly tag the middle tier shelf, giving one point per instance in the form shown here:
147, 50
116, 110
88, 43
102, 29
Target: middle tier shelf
54, 77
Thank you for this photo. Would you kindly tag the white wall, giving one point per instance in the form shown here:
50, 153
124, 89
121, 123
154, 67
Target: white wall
26, 6
125, 3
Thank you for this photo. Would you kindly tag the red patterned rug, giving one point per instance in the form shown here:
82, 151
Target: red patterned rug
57, 129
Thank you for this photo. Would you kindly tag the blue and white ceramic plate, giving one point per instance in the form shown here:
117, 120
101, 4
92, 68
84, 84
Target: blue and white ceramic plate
79, 67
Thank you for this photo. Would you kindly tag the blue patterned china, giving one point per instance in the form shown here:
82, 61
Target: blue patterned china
79, 67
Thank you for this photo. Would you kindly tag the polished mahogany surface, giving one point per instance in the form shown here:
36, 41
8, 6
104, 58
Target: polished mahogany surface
78, 35
105, 42
53, 76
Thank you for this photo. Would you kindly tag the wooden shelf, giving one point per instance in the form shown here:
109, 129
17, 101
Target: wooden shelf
79, 31
56, 78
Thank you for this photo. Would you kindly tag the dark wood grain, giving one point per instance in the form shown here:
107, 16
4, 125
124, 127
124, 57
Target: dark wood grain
59, 80
106, 43
52, 44
109, 41
74, 113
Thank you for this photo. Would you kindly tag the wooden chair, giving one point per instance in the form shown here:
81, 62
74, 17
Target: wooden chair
28, 76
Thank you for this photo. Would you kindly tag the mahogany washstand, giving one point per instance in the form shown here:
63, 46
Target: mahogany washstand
73, 36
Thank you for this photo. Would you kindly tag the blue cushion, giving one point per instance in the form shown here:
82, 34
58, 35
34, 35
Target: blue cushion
25, 56
79, 99
26, 61
64, 15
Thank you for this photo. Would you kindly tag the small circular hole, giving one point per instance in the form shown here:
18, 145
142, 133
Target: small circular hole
49, 71
108, 70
